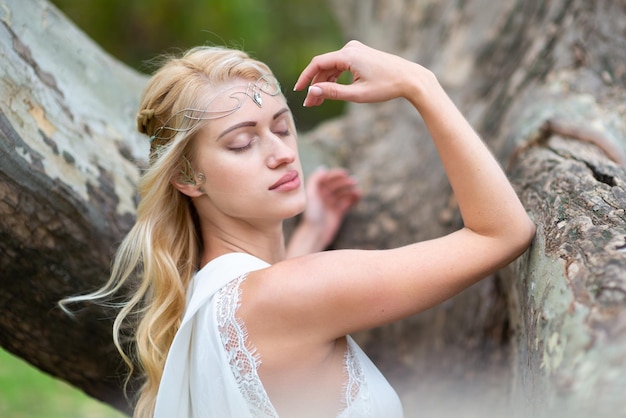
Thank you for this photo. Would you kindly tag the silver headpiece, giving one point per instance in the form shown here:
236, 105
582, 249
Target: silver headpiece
265, 84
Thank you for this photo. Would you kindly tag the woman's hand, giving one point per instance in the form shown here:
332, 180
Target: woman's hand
376, 76
330, 195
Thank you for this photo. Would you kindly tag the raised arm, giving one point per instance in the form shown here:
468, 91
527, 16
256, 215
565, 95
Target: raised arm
344, 291
488, 203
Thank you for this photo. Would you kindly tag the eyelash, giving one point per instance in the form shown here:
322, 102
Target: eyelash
242, 149
284, 133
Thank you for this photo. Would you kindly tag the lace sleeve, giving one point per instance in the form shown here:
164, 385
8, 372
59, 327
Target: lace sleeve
244, 362
243, 359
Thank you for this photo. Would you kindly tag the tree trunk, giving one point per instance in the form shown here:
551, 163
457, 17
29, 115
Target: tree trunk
69, 164
568, 295
542, 82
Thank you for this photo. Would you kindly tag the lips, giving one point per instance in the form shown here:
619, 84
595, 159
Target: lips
289, 181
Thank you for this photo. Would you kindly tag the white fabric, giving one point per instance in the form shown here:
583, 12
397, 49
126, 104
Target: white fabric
198, 381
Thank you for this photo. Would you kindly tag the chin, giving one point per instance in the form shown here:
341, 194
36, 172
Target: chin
293, 214
295, 210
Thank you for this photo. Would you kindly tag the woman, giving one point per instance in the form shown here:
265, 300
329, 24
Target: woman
263, 333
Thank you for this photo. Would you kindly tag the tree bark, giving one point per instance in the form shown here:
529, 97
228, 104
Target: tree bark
568, 295
70, 161
542, 82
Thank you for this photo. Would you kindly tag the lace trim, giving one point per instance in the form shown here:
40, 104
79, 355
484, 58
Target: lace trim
244, 362
356, 395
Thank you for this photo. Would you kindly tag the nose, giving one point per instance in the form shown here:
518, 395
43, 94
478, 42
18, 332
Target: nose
279, 151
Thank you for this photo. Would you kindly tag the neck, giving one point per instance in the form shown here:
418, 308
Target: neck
266, 242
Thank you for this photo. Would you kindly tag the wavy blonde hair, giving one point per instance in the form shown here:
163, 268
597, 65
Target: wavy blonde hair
162, 251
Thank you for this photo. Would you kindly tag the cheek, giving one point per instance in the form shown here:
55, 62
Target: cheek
227, 177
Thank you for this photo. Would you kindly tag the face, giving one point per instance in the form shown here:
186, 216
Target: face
250, 160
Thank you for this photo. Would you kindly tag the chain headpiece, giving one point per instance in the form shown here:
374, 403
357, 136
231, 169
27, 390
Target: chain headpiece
267, 84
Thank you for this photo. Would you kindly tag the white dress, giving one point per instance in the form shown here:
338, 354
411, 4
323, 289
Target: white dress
210, 373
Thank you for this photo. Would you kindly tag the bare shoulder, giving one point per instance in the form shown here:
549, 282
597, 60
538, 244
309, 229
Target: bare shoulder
330, 294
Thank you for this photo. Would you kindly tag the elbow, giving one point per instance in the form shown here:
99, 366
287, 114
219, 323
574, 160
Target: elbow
524, 235
530, 231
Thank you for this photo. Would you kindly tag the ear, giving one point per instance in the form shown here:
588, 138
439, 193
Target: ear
188, 188
191, 190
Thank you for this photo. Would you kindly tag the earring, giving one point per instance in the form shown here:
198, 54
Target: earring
200, 180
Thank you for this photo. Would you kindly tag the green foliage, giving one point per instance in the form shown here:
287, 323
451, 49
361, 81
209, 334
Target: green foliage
26, 392
285, 34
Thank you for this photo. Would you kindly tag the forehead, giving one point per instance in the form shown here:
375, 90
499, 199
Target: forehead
229, 96
242, 101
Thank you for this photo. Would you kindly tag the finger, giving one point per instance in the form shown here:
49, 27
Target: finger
338, 177
329, 76
348, 195
342, 187
342, 204
319, 92
313, 97
330, 62
335, 61
335, 173
342, 197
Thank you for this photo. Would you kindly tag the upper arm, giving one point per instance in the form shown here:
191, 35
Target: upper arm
330, 294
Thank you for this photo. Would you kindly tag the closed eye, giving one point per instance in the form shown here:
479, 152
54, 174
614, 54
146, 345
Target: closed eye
286, 132
242, 143
241, 149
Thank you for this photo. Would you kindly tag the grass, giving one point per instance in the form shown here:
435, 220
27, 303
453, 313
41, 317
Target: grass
26, 392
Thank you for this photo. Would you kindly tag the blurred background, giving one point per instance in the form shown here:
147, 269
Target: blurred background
283, 33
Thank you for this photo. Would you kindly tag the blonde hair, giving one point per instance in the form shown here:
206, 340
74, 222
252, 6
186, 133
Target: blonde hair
162, 251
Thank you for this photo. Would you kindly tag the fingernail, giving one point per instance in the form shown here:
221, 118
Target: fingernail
315, 91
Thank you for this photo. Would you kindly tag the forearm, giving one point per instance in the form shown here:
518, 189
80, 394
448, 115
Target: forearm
488, 204
306, 239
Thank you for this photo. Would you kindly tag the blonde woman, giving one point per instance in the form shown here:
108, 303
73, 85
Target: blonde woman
230, 324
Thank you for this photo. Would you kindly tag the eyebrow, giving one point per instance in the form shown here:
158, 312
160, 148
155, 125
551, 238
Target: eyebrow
249, 123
